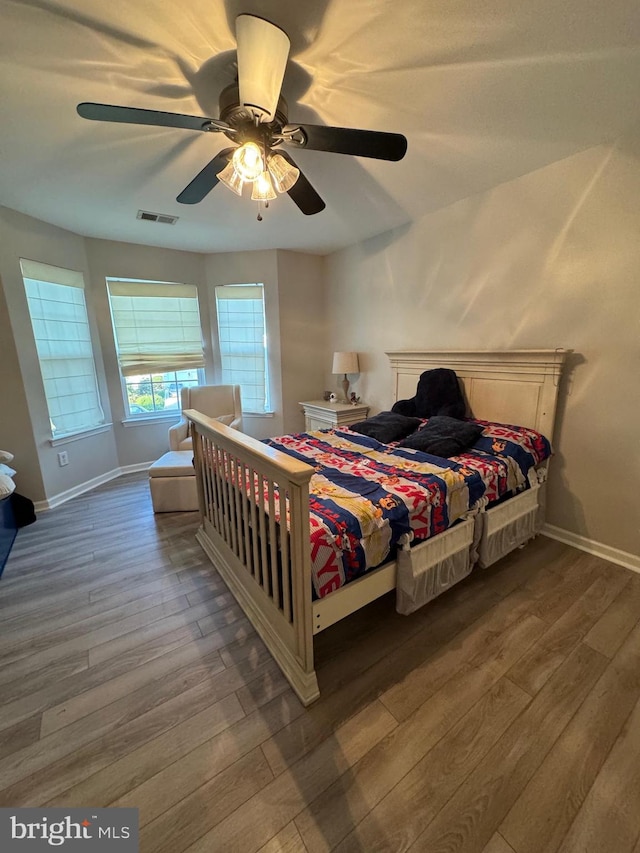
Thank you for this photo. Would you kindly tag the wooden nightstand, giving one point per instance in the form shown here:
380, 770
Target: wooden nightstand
321, 414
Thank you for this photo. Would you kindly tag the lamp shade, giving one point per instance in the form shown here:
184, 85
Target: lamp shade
345, 362
283, 173
247, 161
230, 178
263, 188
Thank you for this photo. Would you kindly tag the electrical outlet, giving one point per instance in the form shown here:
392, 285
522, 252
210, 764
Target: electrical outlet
63, 458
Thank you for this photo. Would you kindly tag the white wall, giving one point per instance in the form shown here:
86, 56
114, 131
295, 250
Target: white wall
303, 333
549, 260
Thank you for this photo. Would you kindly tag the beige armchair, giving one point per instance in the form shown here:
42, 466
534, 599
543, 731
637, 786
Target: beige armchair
221, 402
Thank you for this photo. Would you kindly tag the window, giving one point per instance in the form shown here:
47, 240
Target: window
243, 342
158, 393
159, 342
58, 311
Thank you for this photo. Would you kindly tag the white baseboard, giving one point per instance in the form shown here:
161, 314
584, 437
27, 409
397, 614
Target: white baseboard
606, 552
81, 488
133, 469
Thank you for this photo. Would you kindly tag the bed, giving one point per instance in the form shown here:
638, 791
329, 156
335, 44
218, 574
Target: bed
246, 490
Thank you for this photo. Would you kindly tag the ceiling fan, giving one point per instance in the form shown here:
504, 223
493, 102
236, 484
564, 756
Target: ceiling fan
254, 115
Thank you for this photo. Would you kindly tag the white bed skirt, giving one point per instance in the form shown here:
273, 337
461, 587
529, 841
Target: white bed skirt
509, 525
428, 570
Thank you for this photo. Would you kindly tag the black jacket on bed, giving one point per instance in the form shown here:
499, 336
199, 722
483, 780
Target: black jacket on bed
438, 393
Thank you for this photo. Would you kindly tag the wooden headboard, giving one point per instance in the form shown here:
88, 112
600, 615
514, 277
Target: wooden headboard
508, 386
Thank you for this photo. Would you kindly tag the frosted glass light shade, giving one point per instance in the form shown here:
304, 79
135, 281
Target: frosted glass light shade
345, 362
247, 161
263, 188
283, 173
230, 178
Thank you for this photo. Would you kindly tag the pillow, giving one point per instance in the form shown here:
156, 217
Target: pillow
443, 436
386, 427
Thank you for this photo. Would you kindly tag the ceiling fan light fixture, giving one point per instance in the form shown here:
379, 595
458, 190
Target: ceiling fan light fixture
255, 117
284, 174
247, 161
230, 178
263, 188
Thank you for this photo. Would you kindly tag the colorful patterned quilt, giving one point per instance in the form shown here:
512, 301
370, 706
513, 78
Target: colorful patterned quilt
505, 456
365, 495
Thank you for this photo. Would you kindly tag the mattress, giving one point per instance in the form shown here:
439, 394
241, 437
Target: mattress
365, 496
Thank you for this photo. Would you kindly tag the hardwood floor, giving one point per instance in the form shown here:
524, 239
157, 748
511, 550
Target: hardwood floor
502, 718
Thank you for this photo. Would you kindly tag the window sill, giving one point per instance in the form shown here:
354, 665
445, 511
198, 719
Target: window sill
76, 436
258, 414
155, 419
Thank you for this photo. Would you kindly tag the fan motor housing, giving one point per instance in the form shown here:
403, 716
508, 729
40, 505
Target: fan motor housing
240, 119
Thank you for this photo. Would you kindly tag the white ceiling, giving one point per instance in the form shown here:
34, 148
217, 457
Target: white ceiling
484, 91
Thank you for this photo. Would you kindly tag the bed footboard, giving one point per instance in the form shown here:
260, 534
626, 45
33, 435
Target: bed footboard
254, 506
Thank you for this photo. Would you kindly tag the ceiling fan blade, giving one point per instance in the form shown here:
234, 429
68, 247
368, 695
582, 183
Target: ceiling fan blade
133, 115
205, 180
263, 50
343, 140
302, 193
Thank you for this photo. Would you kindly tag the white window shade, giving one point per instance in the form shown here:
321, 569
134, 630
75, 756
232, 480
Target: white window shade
156, 326
242, 341
56, 301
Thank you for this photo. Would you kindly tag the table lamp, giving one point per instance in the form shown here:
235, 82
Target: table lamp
345, 362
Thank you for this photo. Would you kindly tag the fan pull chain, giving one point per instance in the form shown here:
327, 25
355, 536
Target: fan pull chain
266, 205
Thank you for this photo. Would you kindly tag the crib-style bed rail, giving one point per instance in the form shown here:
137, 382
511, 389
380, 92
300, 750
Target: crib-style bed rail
254, 505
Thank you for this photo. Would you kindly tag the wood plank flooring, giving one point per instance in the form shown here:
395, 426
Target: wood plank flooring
502, 718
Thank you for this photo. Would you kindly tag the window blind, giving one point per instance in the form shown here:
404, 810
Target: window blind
156, 326
242, 341
58, 311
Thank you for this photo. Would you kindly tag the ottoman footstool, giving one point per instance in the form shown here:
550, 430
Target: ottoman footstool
172, 481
